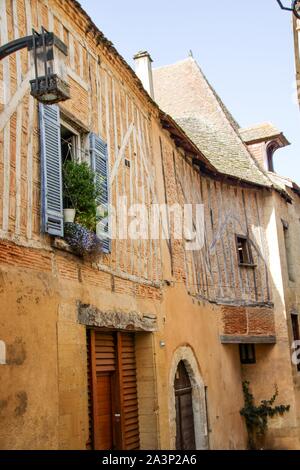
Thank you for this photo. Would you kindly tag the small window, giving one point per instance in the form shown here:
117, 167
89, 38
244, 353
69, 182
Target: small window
247, 354
70, 144
70, 151
296, 333
243, 251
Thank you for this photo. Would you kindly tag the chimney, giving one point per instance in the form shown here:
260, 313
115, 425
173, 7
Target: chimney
143, 69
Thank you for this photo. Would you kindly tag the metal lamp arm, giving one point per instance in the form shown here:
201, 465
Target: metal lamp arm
32, 42
283, 7
16, 45
295, 7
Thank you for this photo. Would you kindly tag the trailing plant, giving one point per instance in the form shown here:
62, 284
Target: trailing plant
256, 417
81, 192
82, 240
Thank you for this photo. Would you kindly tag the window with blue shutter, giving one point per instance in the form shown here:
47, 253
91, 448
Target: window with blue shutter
99, 160
51, 170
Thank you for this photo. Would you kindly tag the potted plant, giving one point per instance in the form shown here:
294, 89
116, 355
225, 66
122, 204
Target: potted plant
80, 194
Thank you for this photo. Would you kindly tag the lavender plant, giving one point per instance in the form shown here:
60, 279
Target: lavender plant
82, 240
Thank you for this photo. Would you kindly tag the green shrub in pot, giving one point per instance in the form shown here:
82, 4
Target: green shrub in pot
80, 192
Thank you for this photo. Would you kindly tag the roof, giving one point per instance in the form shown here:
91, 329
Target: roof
183, 91
224, 154
262, 131
182, 139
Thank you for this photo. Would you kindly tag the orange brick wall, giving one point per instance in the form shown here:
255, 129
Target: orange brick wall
247, 321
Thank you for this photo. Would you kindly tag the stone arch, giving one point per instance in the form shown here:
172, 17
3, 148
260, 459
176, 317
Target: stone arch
186, 354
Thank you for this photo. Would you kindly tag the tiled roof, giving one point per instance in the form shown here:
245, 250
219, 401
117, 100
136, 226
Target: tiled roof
263, 131
182, 91
221, 150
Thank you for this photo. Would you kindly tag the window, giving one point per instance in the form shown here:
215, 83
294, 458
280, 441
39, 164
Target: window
70, 143
247, 354
70, 150
243, 251
295, 328
270, 152
288, 250
59, 142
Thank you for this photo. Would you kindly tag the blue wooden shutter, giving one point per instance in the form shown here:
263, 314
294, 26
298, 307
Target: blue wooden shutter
51, 170
99, 160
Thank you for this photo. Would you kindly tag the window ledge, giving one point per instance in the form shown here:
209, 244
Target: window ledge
247, 265
61, 244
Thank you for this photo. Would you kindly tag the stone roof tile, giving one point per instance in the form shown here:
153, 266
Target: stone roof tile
262, 131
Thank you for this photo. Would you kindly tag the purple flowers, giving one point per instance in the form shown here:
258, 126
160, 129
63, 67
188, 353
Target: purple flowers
82, 240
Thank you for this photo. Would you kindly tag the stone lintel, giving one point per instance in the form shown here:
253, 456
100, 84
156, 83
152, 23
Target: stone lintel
117, 319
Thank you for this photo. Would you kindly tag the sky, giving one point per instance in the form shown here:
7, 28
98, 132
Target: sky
245, 49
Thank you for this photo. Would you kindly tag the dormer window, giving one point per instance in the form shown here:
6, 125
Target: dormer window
271, 148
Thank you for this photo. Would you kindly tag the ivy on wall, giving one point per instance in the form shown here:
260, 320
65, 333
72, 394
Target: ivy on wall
256, 417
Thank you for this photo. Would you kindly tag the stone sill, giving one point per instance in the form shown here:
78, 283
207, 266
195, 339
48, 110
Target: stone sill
61, 244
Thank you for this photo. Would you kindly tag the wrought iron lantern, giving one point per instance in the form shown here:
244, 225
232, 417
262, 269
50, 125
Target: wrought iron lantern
49, 57
49, 54
295, 7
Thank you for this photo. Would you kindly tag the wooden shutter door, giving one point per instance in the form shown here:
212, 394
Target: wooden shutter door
128, 391
114, 391
103, 354
51, 170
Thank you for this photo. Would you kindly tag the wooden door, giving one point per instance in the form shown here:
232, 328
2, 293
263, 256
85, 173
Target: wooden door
104, 413
185, 431
128, 392
114, 402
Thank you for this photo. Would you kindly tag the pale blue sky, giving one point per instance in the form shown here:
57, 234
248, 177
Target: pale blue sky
245, 48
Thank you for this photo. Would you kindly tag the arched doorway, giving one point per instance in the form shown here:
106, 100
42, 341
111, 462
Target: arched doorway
185, 430
185, 355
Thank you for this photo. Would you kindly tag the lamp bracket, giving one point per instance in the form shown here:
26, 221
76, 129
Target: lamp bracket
292, 8
29, 42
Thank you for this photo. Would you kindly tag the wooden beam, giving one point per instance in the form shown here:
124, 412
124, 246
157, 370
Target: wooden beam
243, 339
12, 105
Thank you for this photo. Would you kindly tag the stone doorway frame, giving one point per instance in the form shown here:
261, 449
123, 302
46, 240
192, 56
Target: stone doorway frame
186, 354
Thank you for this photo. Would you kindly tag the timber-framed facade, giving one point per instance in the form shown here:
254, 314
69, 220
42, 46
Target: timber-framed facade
92, 348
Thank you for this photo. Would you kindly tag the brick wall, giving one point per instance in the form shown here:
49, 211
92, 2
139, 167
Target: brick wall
243, 321
258, 152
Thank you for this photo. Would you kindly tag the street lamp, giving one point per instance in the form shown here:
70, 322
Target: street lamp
295, 7
49, 56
